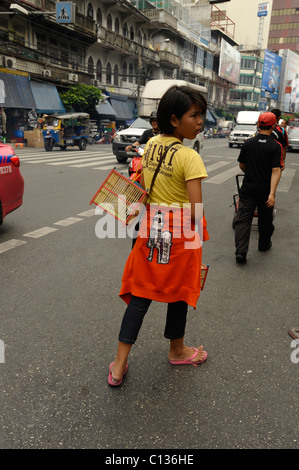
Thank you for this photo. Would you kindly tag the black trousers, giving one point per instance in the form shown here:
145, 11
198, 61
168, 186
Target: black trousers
134, 315
243, 221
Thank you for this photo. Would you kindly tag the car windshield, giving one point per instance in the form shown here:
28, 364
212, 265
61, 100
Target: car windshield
245, 127
51, 121
141, 124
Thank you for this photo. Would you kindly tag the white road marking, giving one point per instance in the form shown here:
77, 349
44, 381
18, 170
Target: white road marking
41, 232
215, 166
95, 159
104, 160
10, 244
68, 221
88, 213
225, 175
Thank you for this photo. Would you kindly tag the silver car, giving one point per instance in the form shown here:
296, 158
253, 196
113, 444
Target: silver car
293, 134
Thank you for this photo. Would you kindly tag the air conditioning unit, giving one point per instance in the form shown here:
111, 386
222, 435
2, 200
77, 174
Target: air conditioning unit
10, 62
95, 83
46, 73
73, 77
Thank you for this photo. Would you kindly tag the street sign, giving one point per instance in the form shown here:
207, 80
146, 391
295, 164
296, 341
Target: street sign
65, 12
263, 9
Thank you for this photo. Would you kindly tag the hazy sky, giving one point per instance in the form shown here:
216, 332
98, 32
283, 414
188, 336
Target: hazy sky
244, 14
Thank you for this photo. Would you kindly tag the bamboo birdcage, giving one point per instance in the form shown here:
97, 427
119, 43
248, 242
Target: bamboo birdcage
120, 197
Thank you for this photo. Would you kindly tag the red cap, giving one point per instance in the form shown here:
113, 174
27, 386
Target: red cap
267, 119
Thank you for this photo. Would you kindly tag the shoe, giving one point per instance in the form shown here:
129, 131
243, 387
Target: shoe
241, 258
111, 381
189, 359
267, 248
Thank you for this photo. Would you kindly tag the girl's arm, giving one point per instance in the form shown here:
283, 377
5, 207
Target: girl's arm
195, 197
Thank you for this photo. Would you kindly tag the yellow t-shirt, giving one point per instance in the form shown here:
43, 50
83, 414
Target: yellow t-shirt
180, 165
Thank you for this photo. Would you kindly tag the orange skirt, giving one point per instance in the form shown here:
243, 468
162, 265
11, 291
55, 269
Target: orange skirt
165, 263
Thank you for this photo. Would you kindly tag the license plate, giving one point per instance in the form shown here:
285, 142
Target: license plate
69, 141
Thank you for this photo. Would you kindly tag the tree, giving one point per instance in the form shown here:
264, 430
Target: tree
81, 98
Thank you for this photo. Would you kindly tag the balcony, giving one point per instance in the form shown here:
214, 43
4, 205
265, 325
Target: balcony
162, 17
169, 58
223, 23
111, 40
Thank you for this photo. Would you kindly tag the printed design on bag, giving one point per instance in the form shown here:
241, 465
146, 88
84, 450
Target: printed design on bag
160, 240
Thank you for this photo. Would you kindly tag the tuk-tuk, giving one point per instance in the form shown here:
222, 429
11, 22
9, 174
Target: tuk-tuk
63, 130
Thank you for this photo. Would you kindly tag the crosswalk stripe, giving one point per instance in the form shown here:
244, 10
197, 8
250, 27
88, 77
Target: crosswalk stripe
32, 156
111, 167
46, 159
225, 175
104, 160
215, 166
286, 180
95, 159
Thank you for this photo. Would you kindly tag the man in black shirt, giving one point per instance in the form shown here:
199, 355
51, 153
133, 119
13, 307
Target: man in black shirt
148, 133
259, 159
280, 135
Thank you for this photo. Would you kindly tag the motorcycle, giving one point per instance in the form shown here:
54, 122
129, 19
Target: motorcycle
135, 166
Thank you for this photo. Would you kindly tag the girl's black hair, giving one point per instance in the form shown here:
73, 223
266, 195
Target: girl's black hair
177, 100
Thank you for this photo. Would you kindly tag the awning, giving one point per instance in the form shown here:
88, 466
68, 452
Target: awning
46, 98
15, 91
122, 107
105, 109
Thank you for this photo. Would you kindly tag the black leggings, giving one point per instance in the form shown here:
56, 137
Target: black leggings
135, 312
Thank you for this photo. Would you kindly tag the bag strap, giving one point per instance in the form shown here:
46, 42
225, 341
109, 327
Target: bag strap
160, 163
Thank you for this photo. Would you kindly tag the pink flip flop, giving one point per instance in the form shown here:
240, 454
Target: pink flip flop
111, 381
189, 359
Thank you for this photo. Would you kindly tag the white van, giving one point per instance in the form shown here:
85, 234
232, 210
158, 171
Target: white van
153, 92
246, 127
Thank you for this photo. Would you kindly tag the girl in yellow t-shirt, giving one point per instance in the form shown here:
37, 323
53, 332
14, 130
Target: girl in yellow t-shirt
165, 262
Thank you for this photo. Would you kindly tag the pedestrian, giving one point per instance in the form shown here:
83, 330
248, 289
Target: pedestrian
280, 134
148, 133
161, 267
259, 159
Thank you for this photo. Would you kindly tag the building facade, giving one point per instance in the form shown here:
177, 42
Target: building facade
284, 27
114, 45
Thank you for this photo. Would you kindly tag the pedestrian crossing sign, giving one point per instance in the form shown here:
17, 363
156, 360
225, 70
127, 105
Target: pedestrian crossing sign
65, 12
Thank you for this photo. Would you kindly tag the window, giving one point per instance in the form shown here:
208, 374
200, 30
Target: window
125, 72
99, 16
116, 25
41, 43
64, 55
208, 63
90, 11
99, 70
90, 65
258, 82
131, 73
109, 22
247, 63
132, 34
116, 75
125, 30
108, 73
246, 80
240, 95
200, 56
